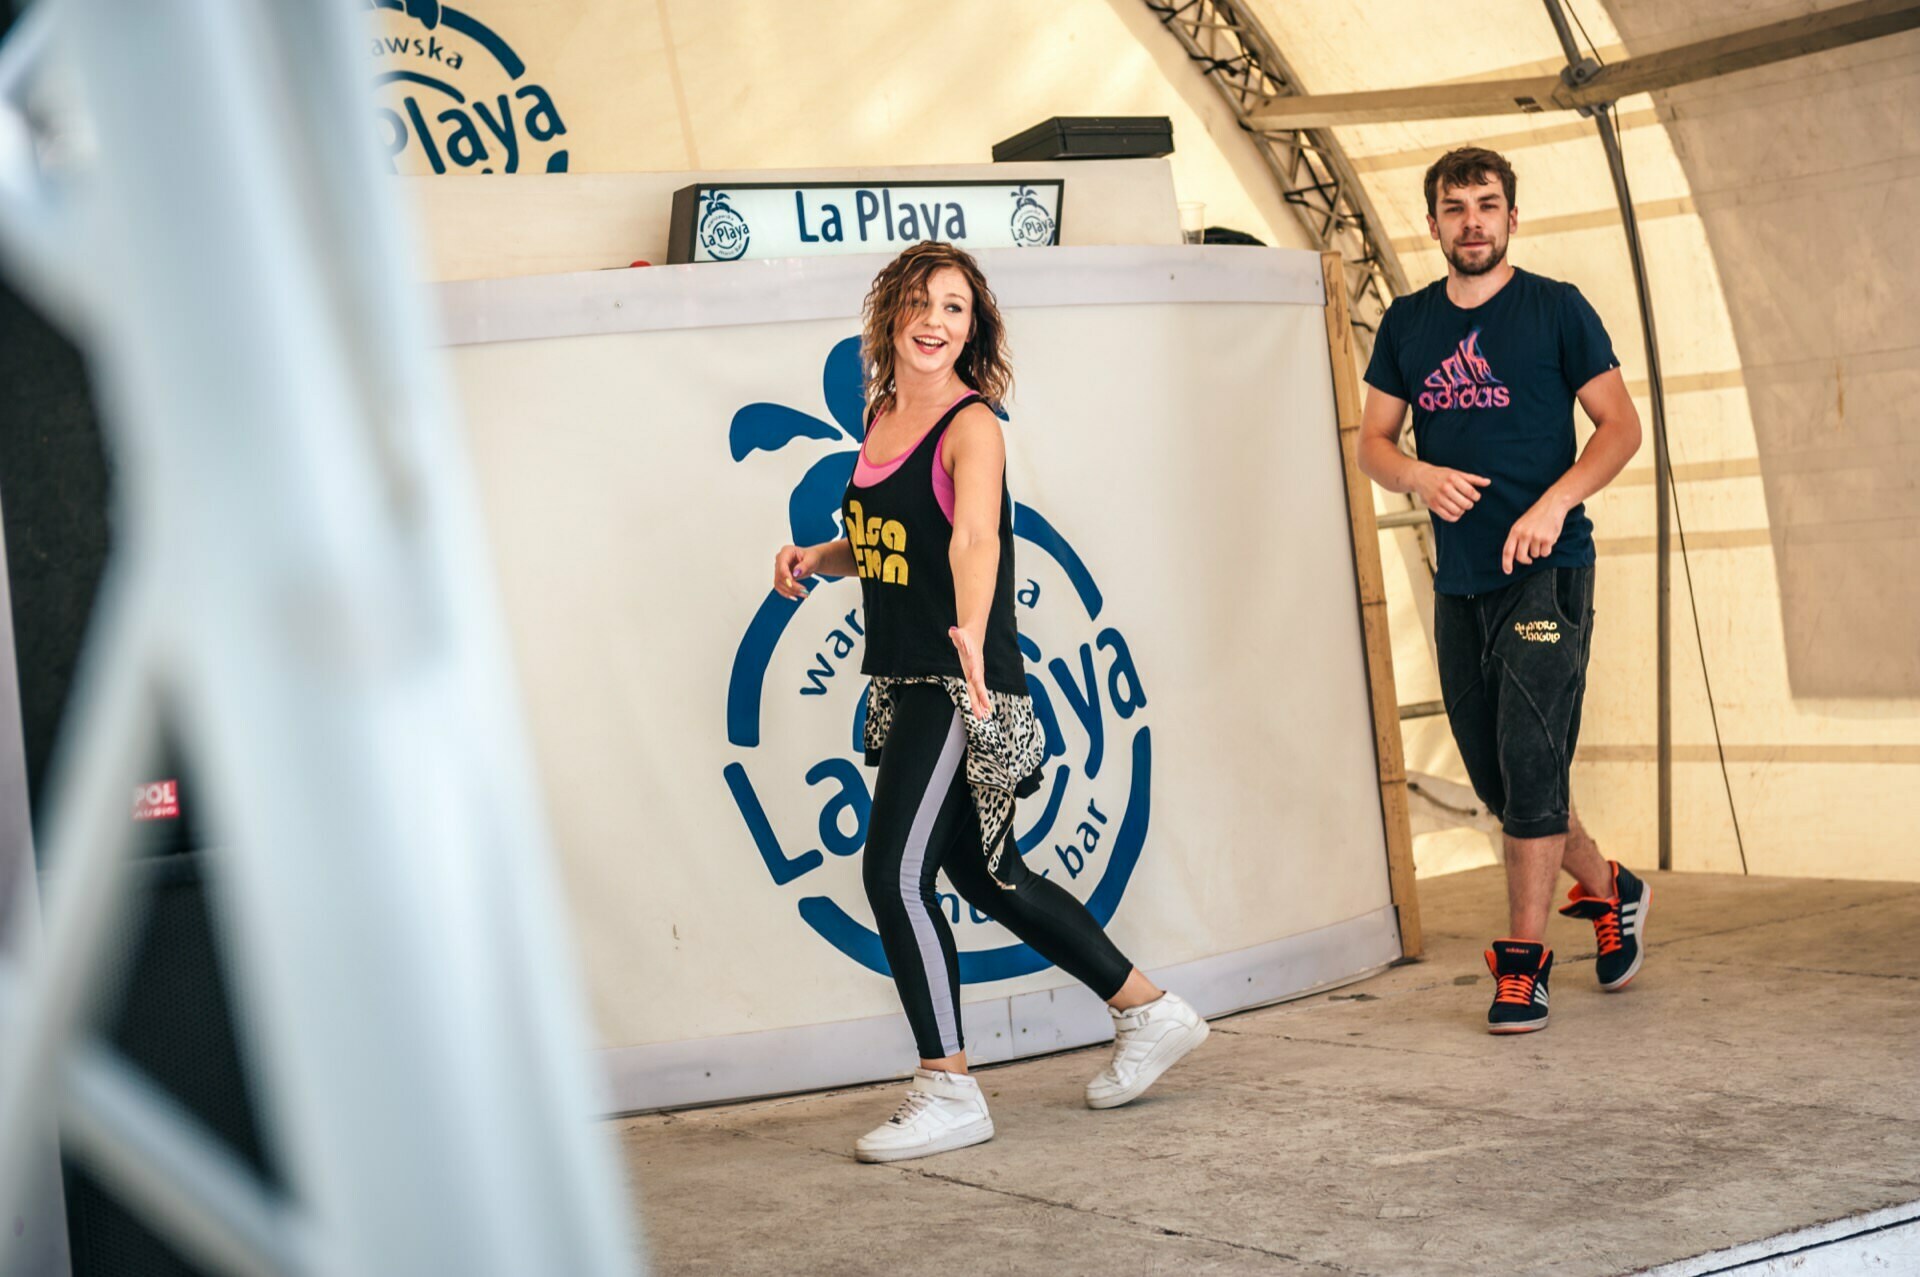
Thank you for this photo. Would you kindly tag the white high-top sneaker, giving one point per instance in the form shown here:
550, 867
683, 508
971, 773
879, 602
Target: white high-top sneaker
1147, 1041
942, 1112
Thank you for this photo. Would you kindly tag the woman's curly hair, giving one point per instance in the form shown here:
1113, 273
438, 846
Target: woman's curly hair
894, 300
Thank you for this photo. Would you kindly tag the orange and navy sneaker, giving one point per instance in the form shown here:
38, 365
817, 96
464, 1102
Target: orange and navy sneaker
1520, 970
1619, 923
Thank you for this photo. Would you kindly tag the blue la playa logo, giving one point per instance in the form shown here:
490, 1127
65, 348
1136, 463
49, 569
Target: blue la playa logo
723, 232
1032, 225
455, 95
796, 705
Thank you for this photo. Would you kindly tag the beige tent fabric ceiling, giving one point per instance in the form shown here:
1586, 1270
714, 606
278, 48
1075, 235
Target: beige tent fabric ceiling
1772, 213
1774, 206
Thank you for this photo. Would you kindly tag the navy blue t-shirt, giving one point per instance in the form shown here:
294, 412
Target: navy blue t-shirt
1492, 390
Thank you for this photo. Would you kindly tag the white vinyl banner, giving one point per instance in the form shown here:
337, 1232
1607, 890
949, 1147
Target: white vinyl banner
647, 439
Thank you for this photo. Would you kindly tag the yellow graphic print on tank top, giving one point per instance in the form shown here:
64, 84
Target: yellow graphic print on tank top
879, 546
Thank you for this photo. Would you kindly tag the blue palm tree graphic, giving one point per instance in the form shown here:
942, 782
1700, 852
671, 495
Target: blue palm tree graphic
814, 508
813, 511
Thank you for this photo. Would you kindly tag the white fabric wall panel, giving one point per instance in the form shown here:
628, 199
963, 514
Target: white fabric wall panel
1186, 589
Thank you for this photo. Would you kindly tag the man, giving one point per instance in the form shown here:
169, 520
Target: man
1491, 359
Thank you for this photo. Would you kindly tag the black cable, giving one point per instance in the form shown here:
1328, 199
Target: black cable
1591, 47
1686, 562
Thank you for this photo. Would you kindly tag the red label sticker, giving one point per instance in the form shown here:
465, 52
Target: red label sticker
157, 801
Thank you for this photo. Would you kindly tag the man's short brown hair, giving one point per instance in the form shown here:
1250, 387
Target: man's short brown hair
1468, 166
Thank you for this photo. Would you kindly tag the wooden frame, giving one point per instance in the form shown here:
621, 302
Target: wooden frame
1646, 73
1373, 611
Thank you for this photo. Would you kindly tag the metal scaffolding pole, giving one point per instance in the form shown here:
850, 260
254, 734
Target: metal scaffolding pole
1579, 70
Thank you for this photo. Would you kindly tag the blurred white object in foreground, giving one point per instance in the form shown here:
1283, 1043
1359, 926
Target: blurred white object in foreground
300, 592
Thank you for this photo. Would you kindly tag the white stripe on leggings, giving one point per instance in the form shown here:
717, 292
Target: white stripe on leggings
946, 1016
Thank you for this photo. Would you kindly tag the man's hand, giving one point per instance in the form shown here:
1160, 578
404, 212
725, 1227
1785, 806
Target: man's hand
1534, 535
1448, 493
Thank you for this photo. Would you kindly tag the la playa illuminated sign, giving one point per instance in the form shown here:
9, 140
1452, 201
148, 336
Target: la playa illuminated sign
741, 221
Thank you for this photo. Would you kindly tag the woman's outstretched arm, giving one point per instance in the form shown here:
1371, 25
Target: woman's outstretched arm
979, 454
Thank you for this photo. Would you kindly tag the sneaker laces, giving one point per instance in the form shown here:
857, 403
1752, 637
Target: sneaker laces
910, 1108
1607, 928
1515, 988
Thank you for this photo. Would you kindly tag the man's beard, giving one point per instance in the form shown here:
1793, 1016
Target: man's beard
1494, 258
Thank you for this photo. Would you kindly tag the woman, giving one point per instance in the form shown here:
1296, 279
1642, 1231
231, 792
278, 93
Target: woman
949, 721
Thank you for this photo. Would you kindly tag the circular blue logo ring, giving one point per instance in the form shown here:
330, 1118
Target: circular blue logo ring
431, 15
840, 929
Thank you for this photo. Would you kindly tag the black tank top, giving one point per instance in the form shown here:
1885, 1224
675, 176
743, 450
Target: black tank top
901, 538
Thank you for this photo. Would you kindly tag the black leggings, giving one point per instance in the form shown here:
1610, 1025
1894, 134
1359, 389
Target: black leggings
923, 821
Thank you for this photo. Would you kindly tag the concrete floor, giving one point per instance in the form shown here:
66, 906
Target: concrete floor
1761, 1075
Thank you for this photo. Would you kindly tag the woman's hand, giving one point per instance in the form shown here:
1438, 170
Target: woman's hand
792, 565
973, 668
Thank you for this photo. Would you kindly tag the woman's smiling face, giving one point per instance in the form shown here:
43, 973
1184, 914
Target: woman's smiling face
935, 328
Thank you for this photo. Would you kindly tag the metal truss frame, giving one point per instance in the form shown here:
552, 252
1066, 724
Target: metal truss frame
1315, 177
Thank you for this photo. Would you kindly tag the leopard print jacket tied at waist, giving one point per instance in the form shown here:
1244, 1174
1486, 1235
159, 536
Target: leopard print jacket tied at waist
1004, 753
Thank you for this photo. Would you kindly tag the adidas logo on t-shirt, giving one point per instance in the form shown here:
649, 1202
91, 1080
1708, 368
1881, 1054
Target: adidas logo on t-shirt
1464, 380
